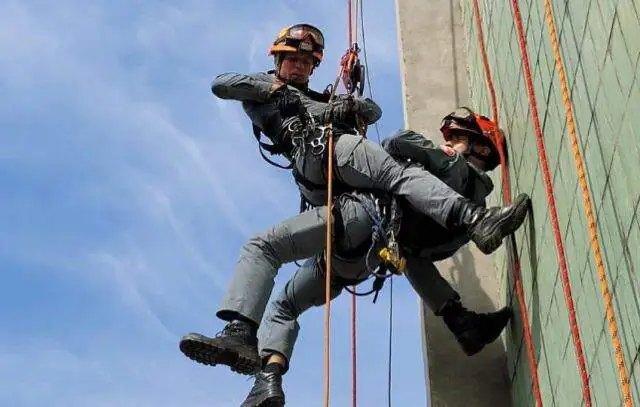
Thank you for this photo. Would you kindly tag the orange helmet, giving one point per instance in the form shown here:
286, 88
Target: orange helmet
480, 129
300, 38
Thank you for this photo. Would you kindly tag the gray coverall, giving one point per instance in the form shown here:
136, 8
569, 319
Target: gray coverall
359, 163
422, 240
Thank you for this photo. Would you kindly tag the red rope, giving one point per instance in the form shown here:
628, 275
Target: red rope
350, 23
354, 377
544, 163
353, 347
506, 192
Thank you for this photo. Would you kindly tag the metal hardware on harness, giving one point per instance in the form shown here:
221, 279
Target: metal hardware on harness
353, 73
319, 143
391, 255
297, 133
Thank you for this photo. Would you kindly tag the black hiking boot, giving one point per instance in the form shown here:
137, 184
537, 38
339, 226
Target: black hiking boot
488, 226
474, 330
235, 346
266, 391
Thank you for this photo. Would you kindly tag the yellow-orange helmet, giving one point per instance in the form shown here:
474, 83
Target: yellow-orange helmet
300, 38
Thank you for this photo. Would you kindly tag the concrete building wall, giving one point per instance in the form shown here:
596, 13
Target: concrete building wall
434, 77
599, 41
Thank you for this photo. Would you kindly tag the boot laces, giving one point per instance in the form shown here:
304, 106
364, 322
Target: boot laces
233, 329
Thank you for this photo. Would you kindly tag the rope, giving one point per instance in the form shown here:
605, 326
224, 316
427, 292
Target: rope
377, 127
506, 190
328, 239
354, 381
390, 341
354, 364
350, 19
566, 284
366, 63
588, 207
328, 251
353, 37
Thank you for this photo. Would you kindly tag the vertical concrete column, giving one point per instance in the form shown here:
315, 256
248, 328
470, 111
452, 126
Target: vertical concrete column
434, 80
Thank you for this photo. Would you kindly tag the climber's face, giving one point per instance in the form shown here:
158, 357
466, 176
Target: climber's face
296, 67
473, 152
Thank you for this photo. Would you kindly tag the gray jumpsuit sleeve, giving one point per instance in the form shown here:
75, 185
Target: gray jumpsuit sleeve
253, 87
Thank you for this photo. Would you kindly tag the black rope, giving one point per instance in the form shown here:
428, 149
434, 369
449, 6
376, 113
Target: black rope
366, 63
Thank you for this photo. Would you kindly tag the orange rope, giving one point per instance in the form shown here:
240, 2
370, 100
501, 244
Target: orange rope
329, 241
588, 206
328, 251
507, 199
557, 234
329, 265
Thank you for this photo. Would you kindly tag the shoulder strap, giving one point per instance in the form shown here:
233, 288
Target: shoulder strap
272, 149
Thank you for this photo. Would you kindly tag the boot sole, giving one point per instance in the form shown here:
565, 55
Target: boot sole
207, 351
270, 401
273, 402
507, 226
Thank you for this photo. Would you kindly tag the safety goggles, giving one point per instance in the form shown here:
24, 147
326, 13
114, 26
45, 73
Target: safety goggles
297, 36
461, 118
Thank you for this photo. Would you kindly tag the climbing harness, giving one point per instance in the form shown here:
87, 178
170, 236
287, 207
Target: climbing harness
305, 135
298, 128
385, 216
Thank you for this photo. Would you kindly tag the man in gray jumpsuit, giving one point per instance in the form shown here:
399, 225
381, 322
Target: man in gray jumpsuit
274, 102
461, 163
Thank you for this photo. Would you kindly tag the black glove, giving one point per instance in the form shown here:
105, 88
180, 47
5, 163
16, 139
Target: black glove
288, 102
340, 110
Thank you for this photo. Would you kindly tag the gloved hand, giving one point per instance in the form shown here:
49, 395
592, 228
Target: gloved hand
288, 101
340, 110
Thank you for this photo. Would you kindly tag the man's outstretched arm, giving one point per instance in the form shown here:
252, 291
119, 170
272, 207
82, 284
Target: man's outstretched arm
242, 87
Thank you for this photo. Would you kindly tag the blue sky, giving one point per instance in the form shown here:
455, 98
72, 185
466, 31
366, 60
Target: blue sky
128, 190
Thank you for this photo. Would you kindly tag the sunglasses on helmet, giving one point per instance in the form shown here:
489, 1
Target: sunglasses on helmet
303, 31
461, 116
